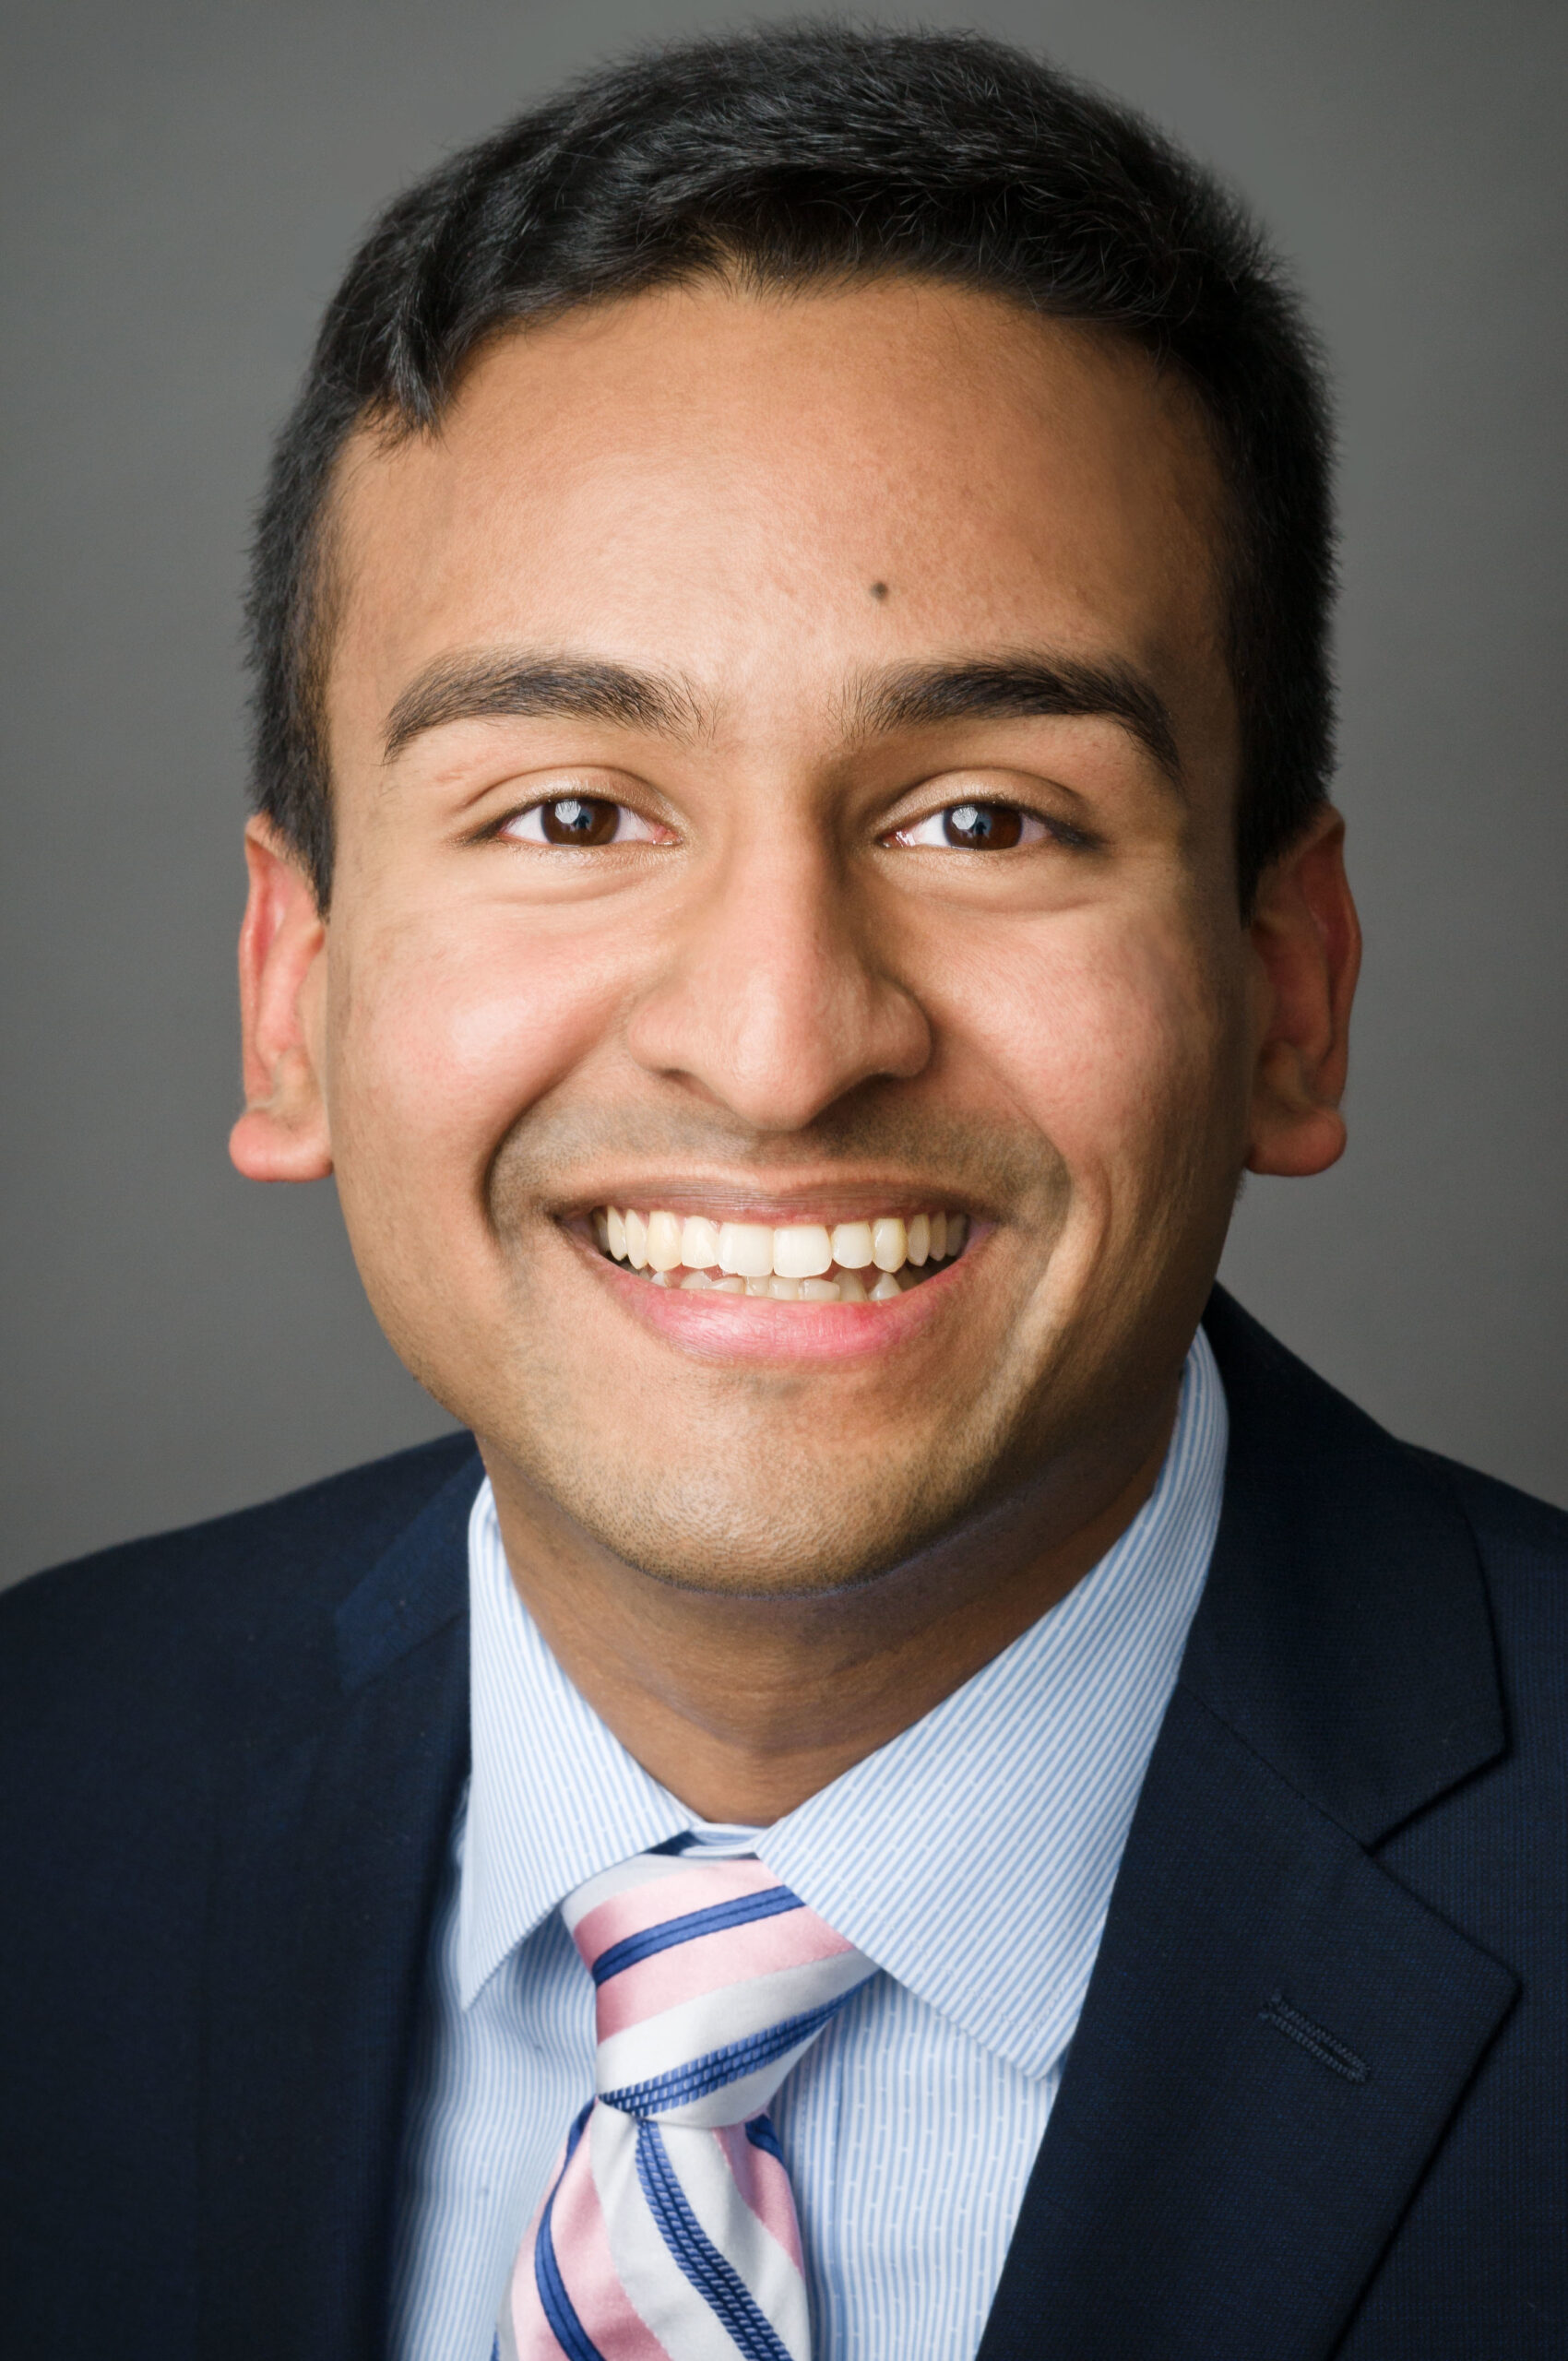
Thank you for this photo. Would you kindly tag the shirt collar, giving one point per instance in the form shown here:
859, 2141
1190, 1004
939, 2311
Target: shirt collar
972, 1858
554, 1798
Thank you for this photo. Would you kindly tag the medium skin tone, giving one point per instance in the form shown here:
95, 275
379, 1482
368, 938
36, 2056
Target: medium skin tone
770, 586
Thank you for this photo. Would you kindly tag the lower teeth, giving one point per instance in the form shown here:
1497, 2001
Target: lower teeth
838, 1287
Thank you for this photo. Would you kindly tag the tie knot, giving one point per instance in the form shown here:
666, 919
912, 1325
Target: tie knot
711, 1979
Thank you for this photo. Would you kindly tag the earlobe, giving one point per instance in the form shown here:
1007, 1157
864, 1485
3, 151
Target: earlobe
283, 1133
1306, 943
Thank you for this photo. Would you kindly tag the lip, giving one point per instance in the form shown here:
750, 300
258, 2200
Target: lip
751, 1328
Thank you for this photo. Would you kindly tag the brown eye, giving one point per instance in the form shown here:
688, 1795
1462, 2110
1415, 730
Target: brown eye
983, 828
581, 824
579, 820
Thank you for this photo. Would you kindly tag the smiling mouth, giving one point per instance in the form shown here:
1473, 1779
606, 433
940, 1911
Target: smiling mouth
853, 1262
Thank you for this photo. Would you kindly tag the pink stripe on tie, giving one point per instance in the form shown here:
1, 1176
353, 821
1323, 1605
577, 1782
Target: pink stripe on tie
642, 1906
690, 1971
587, 2273
764, 2183
524, 2315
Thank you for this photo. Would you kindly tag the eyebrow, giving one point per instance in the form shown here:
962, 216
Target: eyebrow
491, 686
922, 696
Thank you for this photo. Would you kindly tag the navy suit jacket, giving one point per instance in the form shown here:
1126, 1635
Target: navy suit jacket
1317, 2101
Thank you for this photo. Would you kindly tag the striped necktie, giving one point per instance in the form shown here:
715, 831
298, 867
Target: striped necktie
669, 2229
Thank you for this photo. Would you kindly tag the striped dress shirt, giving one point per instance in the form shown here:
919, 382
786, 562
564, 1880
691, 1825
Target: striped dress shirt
972, 1858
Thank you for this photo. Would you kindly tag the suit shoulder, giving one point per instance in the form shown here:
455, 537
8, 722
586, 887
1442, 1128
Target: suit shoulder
1494, 1507
1332, 1474
1522, 1541
180, 1592
138, 1685
1501, 1517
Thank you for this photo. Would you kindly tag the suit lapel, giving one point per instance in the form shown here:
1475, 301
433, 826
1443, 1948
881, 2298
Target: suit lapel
334, 1839
1277, 2032
1275, 2037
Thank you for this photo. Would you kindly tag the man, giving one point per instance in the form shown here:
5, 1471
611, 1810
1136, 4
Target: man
913, 1799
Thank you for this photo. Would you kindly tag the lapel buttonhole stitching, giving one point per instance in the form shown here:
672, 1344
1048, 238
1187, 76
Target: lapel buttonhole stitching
1314, 2039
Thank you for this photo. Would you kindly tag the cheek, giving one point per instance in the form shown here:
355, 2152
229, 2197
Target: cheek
1115, 1042
442, 1035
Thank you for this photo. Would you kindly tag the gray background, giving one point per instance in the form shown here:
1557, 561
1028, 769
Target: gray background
183, 180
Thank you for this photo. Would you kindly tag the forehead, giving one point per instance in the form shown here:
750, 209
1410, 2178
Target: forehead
756, 489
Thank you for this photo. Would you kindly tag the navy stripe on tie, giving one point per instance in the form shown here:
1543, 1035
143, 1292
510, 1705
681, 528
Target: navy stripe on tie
711, 2072
761, 2135
714, 1920
713, 2275
559, 2310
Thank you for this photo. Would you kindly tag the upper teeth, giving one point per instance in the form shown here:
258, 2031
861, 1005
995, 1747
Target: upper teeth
792, 1259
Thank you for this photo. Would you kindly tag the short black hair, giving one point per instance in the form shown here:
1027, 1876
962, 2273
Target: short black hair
810, 153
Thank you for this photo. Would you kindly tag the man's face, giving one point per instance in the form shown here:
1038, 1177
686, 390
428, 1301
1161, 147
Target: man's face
730, 863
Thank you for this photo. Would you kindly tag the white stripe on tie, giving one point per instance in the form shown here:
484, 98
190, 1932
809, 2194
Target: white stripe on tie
679, 2034
661, 2294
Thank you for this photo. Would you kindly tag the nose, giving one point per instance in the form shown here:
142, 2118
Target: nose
774, 1000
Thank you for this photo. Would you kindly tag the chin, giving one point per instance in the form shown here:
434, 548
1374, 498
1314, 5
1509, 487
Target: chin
783, 1532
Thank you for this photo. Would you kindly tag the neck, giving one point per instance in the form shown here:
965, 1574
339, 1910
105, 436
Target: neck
744, 1707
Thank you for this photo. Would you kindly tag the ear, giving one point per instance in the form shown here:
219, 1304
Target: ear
1306, 945
282, 1135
